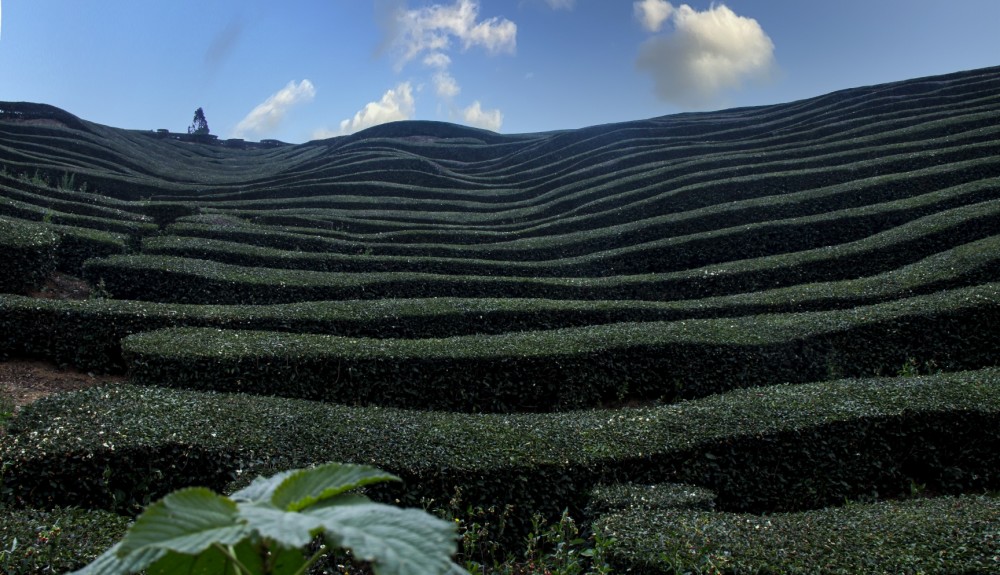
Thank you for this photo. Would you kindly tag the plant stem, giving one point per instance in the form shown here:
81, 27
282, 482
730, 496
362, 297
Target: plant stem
228, 552
312, 560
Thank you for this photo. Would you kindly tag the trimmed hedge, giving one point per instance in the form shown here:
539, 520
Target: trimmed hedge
781, 448
27, 255
87, 334
942, 535
578, 367
77, 245
890, 199
55, 541
27, 211
612, 256
182, 280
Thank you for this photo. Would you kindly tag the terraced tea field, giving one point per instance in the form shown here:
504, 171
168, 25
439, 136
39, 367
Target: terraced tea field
754, 340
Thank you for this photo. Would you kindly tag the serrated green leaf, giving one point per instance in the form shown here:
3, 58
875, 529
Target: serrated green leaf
261, 488
395, 541
186, 521
109, 563
308, 486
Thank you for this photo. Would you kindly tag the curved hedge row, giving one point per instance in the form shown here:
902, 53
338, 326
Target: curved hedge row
788, 447
183, 280
942, 535
87, 334
542, 242
577, 367
678, 253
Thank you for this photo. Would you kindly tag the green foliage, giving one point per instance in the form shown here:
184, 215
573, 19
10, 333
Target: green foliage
27, 254
575, 367
263, 529
777, 448
67, 181
6, 410
941, 535
54, 541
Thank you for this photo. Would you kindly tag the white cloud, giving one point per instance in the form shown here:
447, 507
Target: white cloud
432, 28
652, 13
268, 115
474, 115
396, 104
437, 60
708, 53
561, 4
445, 85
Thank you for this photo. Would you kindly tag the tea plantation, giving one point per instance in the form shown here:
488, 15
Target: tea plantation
761, 340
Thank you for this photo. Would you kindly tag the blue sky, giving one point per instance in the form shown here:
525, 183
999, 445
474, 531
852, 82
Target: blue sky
299, 70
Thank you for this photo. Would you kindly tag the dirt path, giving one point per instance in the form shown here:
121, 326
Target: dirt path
27, 381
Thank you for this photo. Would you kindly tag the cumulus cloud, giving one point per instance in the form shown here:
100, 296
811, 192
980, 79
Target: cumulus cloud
268, 115
476, 116
652, 13
431, 29
396, 104
707, 53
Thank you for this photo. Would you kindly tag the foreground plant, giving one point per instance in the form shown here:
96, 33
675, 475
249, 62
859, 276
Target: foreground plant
265, 528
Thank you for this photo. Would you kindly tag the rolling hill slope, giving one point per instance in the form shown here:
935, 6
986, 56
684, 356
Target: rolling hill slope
500, 304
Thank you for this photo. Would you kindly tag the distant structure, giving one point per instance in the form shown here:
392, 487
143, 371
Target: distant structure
199, 126
236, 143
44, 114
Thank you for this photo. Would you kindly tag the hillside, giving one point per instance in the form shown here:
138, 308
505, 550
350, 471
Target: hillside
672, 327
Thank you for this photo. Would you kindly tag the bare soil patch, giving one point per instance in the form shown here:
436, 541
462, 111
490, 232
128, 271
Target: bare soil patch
25, 381
63, 286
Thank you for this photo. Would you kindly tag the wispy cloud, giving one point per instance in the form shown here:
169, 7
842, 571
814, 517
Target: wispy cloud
433, 28
561, 4
445, 85
474, 115
396, 104
267, 116
706, 54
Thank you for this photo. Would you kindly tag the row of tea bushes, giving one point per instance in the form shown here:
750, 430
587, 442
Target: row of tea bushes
901, 197
185, 280
679, 253
33, 250
617, 194
18, 209
662, 530
75, 203
780, 448
577, 367
28, 254
552, 240
87, 334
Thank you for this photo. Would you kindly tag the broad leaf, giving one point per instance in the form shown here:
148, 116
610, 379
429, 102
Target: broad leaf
261, 488
211, 561
308, 486
186, 521
396, 541
288, 528
286, 561
109, 563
